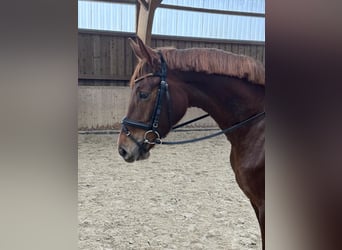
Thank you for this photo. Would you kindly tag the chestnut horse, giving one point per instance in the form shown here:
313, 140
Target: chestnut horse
230, 87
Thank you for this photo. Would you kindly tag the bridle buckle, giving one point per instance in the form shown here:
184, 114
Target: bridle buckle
155, 125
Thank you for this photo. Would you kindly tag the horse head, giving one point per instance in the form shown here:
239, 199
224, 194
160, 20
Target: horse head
149, 117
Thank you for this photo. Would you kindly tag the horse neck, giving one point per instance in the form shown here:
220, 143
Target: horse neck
227, 99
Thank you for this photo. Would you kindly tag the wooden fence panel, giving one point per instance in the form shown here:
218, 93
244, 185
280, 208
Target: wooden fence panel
107, 56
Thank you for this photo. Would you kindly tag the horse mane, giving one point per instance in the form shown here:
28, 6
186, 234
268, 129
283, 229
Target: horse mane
215, 61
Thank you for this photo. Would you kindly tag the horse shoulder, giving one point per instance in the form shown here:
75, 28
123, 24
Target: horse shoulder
248, 163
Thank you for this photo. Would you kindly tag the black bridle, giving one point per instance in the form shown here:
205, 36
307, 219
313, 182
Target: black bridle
152, 126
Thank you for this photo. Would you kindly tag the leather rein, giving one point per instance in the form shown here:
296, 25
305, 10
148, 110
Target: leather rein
151, 128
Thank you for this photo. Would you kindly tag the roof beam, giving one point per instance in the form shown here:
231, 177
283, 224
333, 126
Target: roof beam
213, 11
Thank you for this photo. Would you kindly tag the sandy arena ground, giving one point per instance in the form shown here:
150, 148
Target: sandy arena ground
182, 197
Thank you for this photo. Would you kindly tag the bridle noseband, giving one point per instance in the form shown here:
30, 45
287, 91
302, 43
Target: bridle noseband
151, 128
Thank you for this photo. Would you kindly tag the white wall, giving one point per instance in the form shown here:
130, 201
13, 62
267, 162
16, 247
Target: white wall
103, 107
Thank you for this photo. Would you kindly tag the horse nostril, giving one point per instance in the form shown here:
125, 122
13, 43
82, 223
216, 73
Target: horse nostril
122, 152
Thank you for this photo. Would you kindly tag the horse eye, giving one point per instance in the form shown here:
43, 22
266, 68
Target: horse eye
143, 95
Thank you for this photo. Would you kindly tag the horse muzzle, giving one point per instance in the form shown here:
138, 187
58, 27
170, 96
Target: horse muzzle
133, 155
131, 151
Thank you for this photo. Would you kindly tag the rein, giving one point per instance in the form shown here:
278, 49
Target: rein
227, 130
152, 126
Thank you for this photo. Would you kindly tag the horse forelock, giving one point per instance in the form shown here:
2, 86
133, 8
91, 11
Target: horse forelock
215, 61
138, 71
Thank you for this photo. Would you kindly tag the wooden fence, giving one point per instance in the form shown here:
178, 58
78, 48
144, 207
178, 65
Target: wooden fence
105, 58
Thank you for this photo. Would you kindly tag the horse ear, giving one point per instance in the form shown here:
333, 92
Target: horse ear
135, 47
144, 52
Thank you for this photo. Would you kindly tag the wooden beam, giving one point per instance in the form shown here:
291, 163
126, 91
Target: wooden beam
145, 19
144, 3
213, 11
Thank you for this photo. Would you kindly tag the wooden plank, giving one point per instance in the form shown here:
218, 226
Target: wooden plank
81, 57
153, 43
221, 46
174, 44
159, 43
105, 63
215, 45
181, 45
198, 44
247, 50
253, 51
120, 56
260, 54
89, 63
111, 54
241, 49
167, 43
97, 55
128, 58
235, 48
228, 47
188, 44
